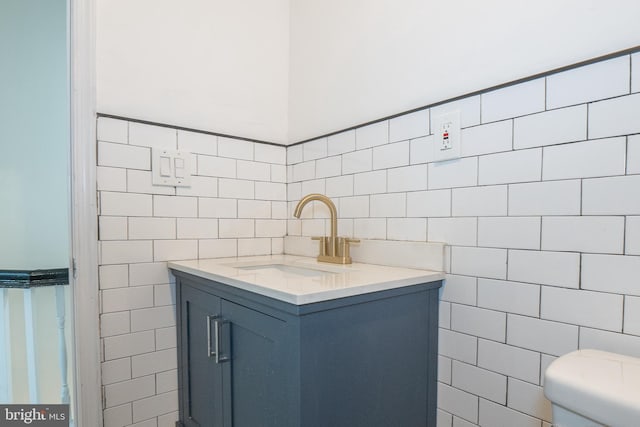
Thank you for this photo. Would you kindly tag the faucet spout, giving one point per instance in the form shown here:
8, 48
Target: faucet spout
333, 248
324, 199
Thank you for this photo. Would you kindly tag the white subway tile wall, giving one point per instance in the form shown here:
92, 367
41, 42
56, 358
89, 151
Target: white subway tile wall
478, 381
510, 297
513, 101
236, 205
602, 80
541, 213
551, 127
490, 138
615, 116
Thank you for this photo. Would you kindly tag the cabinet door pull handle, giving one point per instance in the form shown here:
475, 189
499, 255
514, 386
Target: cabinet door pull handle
209, 352
217, 322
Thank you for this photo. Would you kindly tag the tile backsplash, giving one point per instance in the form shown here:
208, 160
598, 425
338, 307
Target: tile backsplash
236, 205
541, 214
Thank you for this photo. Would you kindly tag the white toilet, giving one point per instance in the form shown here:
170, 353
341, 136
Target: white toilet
592, 388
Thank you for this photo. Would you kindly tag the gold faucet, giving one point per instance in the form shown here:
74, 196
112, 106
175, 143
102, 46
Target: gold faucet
333, 249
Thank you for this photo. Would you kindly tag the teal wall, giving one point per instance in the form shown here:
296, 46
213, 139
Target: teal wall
34, 134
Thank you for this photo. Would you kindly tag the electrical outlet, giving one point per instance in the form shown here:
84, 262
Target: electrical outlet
447, 136
445, 143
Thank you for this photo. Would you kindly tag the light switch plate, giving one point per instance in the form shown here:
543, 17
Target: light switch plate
446, 129
171, 168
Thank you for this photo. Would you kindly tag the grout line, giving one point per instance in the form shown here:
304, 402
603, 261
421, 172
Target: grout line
541, 230
540, 301
513, 134
580, 271
477, 349
626, 155
581, 197
587, 124
624, 300
477, 293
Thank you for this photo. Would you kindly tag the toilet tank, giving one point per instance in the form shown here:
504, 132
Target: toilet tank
602, 386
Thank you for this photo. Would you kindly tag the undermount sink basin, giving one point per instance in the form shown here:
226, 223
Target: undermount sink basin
285, 268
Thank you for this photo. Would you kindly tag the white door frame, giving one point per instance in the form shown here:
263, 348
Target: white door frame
84, 214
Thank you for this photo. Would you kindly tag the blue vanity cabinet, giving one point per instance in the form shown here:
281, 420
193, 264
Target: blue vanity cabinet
363, 361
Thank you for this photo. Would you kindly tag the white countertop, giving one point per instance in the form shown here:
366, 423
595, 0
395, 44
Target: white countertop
302, 280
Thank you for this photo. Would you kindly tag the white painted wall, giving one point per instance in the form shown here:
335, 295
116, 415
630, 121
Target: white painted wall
284, 71
206, 64
34, 136
361, 60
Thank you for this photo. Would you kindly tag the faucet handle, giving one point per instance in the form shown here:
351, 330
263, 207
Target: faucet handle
345, 249
323, 244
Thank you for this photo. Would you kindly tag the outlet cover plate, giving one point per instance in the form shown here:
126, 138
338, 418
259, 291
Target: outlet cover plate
171, 168
446, 129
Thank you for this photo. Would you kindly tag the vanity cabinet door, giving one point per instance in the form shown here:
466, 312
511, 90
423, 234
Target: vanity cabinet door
232, 362
254, 378
201, 385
